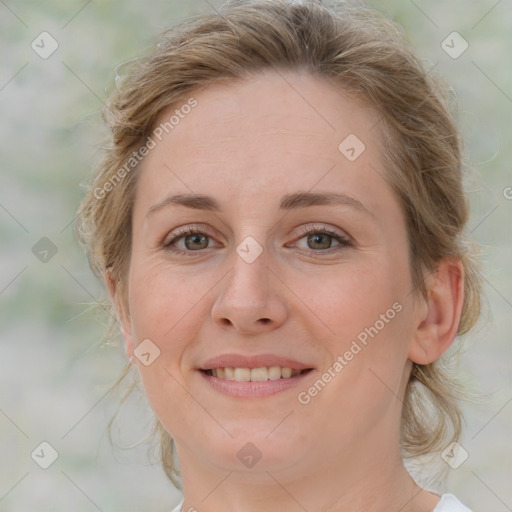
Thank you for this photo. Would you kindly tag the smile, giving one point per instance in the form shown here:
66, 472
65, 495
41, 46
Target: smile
252, 376
261, 374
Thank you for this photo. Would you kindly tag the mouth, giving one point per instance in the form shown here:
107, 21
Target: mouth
253, 376
260, 374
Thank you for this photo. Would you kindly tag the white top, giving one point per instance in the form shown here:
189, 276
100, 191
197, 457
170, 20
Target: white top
448, 503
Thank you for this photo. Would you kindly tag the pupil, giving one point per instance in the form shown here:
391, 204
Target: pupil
195, 239
320, 237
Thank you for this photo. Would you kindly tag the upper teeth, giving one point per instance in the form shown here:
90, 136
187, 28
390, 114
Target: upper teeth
254, 374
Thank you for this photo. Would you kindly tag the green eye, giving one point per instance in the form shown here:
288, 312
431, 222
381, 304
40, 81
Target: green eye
193, 240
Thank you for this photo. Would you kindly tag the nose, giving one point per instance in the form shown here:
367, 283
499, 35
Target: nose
251, 299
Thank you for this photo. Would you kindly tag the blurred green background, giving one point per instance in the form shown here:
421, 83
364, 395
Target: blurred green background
55, 371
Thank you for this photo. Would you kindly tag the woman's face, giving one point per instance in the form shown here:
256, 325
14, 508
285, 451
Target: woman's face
291, 269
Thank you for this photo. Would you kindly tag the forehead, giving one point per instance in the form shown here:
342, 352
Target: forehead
270, 132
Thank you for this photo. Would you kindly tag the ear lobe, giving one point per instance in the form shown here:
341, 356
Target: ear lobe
123, 316
440, 313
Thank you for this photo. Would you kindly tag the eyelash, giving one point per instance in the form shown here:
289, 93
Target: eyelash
192, 230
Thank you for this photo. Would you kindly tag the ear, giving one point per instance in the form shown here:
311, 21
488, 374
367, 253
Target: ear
122, 314
438, 314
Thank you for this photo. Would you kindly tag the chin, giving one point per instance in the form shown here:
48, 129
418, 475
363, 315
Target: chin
255, 452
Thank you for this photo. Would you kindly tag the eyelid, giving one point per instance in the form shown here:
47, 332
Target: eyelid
322, 227
170, 240
343, 238
185, 230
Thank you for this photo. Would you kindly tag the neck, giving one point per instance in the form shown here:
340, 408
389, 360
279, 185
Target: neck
370, 480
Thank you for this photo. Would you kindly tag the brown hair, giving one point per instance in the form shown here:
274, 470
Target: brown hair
360, 52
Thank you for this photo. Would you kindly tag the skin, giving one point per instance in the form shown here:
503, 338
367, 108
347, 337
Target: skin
247, 144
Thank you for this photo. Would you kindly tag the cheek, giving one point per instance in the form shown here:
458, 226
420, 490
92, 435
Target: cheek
365, 374
368, 313
162, 310
161, 299
355, 300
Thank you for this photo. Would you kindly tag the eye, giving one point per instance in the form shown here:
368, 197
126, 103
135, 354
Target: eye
187, 241
320, 240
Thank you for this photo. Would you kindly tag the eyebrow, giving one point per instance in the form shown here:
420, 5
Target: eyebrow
288, 202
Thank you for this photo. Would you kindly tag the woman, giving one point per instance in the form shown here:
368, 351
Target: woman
279, 221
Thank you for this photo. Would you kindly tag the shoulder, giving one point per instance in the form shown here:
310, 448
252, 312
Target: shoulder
449, 503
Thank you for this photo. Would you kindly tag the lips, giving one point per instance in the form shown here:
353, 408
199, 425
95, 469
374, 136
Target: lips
259, 368
256, 361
